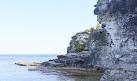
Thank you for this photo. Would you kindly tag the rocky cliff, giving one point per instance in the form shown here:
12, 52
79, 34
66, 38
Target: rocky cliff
119, 18
80, 40
113, 48
82, 50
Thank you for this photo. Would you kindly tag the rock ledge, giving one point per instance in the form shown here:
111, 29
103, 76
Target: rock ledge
27, 63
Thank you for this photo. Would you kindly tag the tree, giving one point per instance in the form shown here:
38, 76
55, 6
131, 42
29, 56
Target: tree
76, 36
79, 47
92, 29
87, 30
98, 26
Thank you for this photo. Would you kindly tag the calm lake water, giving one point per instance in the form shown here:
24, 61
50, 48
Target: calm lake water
11, 72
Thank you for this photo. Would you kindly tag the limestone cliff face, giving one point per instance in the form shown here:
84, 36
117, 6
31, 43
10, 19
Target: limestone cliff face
119, 18
96, 44
81, 38
113, 48
100, 48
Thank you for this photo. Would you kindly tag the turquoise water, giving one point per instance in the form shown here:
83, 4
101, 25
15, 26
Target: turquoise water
11, 72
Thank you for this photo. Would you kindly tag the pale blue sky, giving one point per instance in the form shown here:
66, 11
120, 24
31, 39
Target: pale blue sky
42, 26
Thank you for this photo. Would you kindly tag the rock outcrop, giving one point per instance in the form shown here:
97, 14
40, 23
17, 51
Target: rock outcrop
82, 38
119, 18
113, 48
95, 42
27, 63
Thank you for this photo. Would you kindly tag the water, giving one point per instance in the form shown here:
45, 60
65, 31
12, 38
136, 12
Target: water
11, 72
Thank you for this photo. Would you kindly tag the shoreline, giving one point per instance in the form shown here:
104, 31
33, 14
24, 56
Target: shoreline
65, 71
70, 72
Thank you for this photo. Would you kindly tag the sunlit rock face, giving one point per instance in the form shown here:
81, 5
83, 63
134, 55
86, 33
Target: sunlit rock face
82, 38
119, 18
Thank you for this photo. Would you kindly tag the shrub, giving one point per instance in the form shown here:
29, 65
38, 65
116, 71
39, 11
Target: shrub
70, 43
79, 47
75, 36
89, 38
92, 29
88, 30
76, 42
98, 26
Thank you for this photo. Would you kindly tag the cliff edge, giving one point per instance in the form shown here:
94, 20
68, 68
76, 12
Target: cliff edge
112, 49
119, 18
81, 53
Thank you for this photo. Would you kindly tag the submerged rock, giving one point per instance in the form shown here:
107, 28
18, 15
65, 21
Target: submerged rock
33, 69
27, 63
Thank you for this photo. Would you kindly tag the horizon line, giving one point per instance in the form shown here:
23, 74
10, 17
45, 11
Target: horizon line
30, 54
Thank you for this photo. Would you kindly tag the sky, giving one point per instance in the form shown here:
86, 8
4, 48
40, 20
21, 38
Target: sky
42, 26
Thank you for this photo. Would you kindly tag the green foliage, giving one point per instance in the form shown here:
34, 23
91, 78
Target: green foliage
92, 29
75, 36
89, 38
98, 26
79, 47
88, 30
70, 43
76, 43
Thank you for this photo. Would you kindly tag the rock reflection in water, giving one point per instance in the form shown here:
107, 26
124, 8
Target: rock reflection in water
78, 78
72, 75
